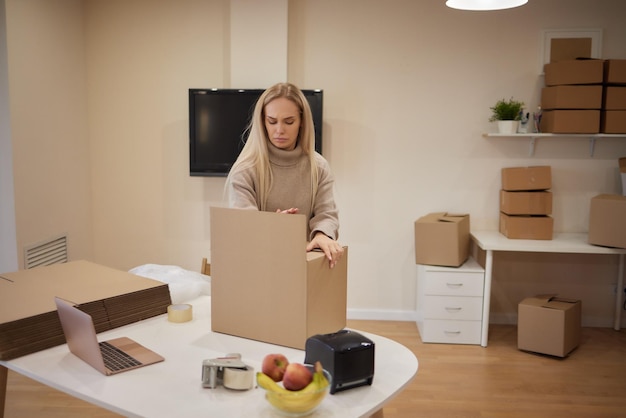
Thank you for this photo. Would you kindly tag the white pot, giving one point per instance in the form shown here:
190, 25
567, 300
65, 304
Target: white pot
507, 126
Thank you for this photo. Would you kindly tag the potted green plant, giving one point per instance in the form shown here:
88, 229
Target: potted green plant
507, 113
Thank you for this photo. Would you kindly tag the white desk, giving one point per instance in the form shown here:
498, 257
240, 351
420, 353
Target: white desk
491, 241
173, 387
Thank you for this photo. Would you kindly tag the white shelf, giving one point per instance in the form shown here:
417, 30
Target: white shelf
533, 137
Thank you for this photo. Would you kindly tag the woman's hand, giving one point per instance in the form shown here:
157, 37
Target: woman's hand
288, 211
329, 247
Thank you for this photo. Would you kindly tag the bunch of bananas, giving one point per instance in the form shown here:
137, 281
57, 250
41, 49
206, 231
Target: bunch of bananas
299, 401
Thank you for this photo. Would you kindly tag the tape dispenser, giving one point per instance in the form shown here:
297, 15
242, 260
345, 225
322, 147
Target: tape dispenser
228, 371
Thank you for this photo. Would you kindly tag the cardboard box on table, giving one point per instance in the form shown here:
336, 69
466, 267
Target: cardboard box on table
526, 178
526, 203
549, 325
607, 221
29, 321
538, 227
265, 286
442, 239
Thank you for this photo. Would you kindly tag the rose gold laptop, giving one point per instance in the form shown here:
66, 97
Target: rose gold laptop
108, 357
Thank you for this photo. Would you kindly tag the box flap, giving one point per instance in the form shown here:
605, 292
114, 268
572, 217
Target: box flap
452, 217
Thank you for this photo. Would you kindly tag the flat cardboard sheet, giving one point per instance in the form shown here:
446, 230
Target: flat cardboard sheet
29, 320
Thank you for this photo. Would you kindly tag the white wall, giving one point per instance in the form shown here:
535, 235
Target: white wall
408, 86
8, 237
51, 161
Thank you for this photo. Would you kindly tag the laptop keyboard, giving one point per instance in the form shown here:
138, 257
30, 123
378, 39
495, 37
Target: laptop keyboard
115, 359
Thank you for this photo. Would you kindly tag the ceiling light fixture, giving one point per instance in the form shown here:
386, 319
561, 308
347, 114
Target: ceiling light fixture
484, 4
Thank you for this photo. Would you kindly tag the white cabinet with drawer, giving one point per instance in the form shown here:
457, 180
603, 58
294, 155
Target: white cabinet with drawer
450, 303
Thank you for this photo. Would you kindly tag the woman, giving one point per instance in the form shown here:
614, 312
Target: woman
278, 169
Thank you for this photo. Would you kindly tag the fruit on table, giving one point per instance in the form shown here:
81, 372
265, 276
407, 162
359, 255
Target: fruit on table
299, 401
297, 376
274, 365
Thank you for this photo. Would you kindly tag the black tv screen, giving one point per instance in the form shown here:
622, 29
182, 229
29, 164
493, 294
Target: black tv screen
218, 119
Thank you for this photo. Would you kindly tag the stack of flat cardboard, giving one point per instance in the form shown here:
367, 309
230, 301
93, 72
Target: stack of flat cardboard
29, 321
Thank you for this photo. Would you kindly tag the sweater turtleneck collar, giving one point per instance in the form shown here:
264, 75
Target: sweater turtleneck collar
284, 158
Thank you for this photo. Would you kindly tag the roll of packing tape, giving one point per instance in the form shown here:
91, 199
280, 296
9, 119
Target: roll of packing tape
239, 379
179, 313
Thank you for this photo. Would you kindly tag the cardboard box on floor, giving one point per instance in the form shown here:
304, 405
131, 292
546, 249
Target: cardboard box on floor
607, 220
442, 239
549, 325
265, 286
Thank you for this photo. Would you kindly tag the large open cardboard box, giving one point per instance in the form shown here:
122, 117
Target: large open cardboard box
265, 286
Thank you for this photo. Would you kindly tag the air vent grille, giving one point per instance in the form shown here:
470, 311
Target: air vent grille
53, 251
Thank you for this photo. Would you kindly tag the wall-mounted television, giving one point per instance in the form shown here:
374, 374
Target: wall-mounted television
218, 119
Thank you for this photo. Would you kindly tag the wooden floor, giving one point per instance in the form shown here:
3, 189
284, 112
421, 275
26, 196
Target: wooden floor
452, 381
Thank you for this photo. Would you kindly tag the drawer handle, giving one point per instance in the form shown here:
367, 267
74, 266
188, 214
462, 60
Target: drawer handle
452, 332
452, 309
454, 284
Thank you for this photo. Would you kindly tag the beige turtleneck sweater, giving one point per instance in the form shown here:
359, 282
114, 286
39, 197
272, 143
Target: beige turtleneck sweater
291, 189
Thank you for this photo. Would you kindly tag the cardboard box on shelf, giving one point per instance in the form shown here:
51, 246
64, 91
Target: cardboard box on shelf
588, 71
549, 325
615, 71
538, 227
442, 239
526, 178
613, 122
607, 220
526, 203
614, 98
265, 286
570, 122
571, 97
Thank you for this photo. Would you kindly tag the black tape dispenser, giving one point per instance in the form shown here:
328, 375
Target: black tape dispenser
347, 355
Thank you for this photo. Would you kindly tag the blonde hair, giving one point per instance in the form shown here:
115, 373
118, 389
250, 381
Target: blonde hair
255, 151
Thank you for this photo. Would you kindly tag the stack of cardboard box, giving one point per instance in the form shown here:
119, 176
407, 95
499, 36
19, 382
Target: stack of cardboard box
613, 118
572, 98
526, 203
